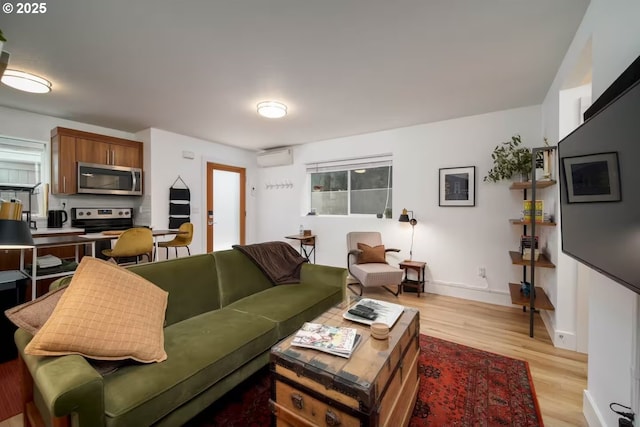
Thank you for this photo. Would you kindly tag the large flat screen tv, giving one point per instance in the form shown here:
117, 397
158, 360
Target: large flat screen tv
599, 165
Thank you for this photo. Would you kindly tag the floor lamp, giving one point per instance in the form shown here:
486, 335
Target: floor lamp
404, 217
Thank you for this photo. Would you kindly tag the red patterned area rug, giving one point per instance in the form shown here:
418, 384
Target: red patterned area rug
9, 390
459, 386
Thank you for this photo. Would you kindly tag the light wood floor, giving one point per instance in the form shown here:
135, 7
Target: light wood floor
559, 376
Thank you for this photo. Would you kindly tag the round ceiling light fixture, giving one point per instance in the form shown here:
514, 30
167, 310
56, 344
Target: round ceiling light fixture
26, 82
272, 109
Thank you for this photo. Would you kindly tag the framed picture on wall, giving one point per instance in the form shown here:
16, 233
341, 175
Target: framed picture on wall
592, 178
458, 186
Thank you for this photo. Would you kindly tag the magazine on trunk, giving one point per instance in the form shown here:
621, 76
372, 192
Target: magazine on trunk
330, 339
386, 312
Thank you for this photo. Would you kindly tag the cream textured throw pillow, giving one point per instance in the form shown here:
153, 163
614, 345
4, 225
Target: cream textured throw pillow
106, 313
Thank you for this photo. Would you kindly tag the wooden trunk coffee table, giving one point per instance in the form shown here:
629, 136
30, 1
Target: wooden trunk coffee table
376, 386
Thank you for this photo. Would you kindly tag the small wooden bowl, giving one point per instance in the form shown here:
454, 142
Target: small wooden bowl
379, 331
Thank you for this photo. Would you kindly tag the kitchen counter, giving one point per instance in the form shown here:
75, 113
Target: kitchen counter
64, 230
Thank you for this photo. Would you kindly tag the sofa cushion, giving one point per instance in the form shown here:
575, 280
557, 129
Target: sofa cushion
191, 281
201, 351
106, 313
238, 277
290, 305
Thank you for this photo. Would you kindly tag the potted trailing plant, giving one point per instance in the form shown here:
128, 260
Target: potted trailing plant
2, 40
510, 159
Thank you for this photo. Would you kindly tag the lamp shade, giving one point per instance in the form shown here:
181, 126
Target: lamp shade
404, 217
15, 234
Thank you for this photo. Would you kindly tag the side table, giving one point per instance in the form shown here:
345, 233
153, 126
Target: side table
308, 241
418, 267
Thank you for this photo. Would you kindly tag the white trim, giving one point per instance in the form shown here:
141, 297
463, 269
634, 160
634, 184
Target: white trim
590, 411
474, 293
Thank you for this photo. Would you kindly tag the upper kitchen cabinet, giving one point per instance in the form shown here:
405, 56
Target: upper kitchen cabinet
63, 164
70, 146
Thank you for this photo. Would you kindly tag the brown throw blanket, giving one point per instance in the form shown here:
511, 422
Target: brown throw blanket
278, 260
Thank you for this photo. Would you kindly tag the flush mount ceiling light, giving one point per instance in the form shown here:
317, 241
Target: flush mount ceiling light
26, 82
272, 109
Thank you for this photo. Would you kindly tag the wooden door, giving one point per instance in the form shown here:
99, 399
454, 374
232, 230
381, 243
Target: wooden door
63, 165
238, 199
91, 151
126, 155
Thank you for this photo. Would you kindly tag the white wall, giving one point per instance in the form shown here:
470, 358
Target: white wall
166, 163
454, 241
611, 26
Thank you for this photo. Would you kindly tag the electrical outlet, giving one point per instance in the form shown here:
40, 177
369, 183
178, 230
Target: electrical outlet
482, 272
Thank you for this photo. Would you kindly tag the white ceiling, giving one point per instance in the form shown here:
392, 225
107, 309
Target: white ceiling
343, 67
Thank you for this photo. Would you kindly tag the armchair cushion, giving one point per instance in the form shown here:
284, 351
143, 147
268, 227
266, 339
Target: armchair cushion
107, 313
375, 254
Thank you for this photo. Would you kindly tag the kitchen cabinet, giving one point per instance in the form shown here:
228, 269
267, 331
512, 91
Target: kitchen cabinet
63, 164
70, 146
123, 153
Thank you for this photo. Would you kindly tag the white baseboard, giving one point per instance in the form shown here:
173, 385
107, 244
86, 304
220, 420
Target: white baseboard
470, 293
561, 339
591, 412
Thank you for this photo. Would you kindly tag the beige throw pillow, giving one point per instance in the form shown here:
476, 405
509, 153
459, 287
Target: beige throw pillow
31, 315
370, 254
107, 313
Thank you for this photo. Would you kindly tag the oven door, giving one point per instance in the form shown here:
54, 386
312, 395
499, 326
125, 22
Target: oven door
95, 178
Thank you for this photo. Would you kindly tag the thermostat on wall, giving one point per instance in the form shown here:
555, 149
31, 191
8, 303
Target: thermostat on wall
188, 154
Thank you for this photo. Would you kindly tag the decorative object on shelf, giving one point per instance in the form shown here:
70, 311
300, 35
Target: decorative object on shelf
15, 234
457, 186
404, 217
510, 159
528, 208
179, 204
592, 178
525, 288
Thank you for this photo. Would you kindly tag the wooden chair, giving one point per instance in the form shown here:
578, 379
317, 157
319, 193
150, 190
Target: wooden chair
370, 274
181, 240
134, 242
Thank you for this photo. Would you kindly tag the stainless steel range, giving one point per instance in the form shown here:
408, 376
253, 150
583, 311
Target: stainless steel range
97, 220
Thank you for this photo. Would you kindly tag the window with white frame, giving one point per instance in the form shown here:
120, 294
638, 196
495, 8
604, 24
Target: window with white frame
21, 166
360, 186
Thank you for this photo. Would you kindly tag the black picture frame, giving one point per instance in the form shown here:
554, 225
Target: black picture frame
457, 187
592, 178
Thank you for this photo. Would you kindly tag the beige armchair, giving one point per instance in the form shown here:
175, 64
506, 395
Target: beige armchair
366, 261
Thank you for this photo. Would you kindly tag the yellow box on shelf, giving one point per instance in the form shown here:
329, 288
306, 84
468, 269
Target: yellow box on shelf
528, 213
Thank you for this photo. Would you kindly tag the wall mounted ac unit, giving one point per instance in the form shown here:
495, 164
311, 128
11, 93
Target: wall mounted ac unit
278, 157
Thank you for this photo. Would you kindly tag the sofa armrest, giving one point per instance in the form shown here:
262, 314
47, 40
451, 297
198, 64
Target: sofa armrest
68, 384
323, 274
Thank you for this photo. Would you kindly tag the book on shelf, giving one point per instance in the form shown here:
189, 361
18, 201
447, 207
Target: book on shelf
529, 210
334, 340
386, 312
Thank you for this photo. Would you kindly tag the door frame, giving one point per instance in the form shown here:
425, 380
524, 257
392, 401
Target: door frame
211, 166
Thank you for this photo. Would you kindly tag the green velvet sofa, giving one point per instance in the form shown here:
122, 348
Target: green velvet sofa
222, 318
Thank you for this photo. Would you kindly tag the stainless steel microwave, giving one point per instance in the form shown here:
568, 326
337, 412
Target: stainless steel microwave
94, 178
